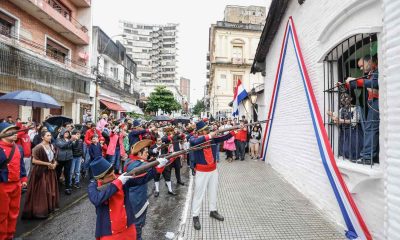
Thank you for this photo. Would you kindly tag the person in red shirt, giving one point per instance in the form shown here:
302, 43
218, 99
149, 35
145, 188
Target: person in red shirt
24, 141
240, 140
12, 178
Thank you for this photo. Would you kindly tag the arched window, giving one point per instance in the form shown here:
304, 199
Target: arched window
351, 95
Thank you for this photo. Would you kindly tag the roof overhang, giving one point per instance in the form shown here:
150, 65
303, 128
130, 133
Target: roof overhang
272, 23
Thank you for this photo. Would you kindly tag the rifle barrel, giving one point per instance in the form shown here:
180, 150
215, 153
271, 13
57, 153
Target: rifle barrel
142, 169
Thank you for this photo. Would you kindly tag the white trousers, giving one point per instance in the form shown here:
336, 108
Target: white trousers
205, 181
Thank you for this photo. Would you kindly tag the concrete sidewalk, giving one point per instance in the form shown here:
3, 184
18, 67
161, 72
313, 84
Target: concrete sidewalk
258, 204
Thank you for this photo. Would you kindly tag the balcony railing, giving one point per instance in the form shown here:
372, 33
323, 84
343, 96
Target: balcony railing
17, 64
57, 17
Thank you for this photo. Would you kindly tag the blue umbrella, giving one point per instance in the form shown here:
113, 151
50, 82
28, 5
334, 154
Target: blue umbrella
30, 98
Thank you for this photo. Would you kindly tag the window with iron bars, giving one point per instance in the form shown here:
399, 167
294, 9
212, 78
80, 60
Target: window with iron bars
351, 99
7, 23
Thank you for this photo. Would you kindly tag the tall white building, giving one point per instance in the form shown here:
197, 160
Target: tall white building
154, 49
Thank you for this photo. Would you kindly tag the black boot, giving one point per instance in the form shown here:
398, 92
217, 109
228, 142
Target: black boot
181, 183
216, 215
196, 223
172, 193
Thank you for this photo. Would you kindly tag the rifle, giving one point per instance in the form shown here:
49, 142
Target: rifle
241, 126
142, 169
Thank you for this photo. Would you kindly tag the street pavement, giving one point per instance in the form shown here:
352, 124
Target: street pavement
25, 227
257, 203
79, 221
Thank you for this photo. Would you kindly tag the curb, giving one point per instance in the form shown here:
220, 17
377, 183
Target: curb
52, 216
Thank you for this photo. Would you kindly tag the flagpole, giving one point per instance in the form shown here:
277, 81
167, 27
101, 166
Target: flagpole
247, 112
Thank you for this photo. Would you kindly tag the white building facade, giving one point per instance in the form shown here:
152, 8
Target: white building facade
332, 36
232, 46
154, 49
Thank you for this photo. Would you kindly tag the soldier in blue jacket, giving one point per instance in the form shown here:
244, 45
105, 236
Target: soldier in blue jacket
138, 194
206, 177
115, 218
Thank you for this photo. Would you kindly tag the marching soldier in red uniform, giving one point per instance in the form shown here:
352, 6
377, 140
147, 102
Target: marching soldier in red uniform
12, 178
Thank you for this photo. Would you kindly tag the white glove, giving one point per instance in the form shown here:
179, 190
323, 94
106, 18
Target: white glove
124, 178
162, 162
155, 150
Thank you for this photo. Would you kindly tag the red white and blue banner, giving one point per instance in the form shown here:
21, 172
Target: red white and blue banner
356, 227
238, 96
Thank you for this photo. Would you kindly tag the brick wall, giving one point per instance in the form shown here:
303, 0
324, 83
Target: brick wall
34, 30
321, 25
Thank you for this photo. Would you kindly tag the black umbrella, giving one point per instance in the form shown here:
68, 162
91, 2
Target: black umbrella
59, 120
161, 118
181, 119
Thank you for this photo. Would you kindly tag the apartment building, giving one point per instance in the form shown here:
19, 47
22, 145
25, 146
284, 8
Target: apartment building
45, 47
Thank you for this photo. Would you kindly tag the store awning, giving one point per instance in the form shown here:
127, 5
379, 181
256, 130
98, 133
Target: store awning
113, 106
132, 108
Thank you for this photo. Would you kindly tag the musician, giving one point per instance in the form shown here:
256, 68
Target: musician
115, 215
138, 194
12, 178
206, 172
136, 134
161, 147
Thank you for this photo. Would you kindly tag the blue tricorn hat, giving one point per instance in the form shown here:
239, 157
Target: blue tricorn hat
201, 125
4, 126
100, 167
136, 123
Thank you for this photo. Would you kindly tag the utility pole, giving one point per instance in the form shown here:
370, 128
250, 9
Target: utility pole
98, 75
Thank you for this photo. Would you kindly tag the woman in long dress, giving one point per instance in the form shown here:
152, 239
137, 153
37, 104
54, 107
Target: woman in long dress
42, 197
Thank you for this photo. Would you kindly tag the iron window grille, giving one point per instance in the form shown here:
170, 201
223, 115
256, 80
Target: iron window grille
347, 107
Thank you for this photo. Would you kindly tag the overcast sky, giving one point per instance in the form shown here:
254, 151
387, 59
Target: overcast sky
194, 17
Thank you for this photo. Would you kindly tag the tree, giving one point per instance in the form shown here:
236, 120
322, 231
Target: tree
199, 107
163, 99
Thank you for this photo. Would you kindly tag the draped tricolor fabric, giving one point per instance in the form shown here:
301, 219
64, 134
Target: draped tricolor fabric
356, 227
238, 96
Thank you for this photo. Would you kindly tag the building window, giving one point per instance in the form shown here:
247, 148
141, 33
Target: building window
237, 55
56, 51
61, 8
7, 24
114, 72
351, 99
235, 81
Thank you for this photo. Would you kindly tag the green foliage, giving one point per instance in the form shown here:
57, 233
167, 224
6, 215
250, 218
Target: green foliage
199, 107
163, 99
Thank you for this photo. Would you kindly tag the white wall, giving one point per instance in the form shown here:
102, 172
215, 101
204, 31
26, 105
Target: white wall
320, 25
390, 128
